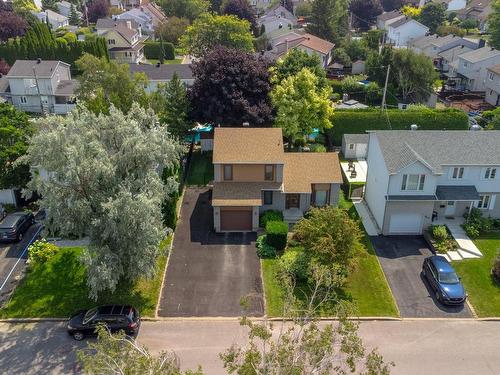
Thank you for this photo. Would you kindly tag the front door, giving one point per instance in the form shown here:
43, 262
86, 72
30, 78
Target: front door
292, 201
450, 208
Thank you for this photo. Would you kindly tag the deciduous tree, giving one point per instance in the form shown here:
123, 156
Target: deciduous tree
433, 15
4, 67
389, 5
171, 30
97, 9
294, 61
365, 12
494, 24
231, 87
211, 30
104, 182
190, 9
240, 9
329, 19
11, 25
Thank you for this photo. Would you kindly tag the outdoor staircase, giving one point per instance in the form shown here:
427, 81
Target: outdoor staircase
467, 249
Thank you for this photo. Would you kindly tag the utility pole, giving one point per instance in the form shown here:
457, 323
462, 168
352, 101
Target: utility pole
382, 107
38, 90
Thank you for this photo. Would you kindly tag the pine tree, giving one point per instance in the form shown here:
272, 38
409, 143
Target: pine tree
175, 113
74, 18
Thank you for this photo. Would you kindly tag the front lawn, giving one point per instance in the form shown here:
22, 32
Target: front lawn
201, 169
58, 288
366, 285
484, 293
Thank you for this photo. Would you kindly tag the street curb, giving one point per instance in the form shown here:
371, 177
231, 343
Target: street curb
472, 310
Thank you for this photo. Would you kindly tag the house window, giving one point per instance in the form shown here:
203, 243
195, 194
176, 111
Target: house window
320, 197
413, 182
491, 76
111, 41
269, 173
484, 202
268, 197
228, 172
466, 65
490, 173
458, 173
23, 100
351, 146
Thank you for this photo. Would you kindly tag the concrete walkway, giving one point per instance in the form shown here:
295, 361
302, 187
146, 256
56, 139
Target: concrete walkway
366, 217
463, 240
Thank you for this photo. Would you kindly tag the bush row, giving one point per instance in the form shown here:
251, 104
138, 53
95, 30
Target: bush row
276, 234
153, 50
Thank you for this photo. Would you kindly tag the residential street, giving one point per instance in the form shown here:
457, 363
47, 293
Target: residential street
454, 347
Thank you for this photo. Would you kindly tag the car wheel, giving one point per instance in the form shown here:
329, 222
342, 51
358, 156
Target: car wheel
78, 336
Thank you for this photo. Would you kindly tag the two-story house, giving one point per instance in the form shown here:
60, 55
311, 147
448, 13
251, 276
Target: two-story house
125, 43
41, 86
143, 19
276, 19
432, 45
472, 69
415, 177
493, 86
253, 174
404, 30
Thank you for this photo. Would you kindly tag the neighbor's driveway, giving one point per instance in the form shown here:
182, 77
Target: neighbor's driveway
209, 273
401, 258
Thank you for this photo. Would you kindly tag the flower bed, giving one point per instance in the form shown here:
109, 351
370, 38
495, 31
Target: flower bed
440, 239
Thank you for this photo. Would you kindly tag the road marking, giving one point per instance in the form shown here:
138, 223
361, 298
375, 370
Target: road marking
21, 256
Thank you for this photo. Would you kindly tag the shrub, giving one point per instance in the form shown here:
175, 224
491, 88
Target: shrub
277, 232
152, 50
41, 251
295, 262
271, 215
264, 250
495, 270
439, 233
315, 147
471, 230
476, 223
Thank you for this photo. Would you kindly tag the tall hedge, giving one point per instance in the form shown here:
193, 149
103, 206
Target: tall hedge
153, 50
356, 121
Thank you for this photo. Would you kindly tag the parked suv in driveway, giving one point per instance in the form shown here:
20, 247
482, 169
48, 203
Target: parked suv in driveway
114, 317
443, 280
14, 225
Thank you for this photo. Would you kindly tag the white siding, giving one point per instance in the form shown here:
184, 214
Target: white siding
396, 181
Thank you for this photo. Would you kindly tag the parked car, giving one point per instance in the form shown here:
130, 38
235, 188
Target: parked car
444, 280
114, 317
14, 225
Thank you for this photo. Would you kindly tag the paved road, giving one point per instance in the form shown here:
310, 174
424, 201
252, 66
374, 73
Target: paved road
401, 258
209, 273
458, 347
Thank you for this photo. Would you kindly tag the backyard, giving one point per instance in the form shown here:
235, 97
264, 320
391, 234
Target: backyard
201, 170
57, 288
484, 293
366, 286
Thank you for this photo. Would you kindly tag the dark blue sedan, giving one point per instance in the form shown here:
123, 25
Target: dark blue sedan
444, 281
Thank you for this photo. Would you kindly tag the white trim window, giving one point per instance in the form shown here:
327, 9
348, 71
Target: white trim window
23, 100
413, 182
491, 76
351, 146
484, 202
458, 173
490, 173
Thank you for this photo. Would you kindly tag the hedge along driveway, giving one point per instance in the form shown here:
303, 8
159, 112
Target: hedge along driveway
358, 121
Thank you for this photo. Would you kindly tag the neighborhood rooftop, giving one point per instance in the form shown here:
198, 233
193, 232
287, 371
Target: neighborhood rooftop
42, 68
434, 148
452, 53
356, 138
495, 69
480, 54
389, 15
163, 71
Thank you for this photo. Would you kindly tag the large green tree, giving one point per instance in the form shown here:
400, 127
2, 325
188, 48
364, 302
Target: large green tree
104, 83
15, 129
329, 19
190, 9
104, 183
433, 15
211, 30
173, 29
293, 62
494, 24
302, 105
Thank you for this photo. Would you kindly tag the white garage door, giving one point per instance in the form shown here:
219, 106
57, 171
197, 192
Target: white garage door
405, 224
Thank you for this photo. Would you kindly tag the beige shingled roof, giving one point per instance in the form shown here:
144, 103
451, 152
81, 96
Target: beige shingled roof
303, 169
240, 193
248, 146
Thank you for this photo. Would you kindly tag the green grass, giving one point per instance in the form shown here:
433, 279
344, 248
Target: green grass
201, 169
58, 288
484, 293
366, 286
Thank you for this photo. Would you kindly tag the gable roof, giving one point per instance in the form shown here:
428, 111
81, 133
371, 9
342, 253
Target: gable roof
389, 15
436, 148
155, 11
43, 69
480, 54
404, 21
108, 23
125, 32
248, 145
356, 138
164, 72
306, 40
51, 15
453, 53
137, 13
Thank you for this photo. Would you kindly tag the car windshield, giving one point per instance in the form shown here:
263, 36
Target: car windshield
89, 315
448, 278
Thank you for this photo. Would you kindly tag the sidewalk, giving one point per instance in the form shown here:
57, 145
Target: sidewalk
463, 240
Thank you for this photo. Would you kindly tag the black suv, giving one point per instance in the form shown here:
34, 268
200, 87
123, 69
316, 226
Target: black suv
14, 225
114, 317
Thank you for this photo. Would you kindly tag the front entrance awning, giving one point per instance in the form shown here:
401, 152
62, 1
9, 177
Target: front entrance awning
457, 193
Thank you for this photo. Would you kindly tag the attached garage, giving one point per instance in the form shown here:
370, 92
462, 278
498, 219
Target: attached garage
409, 223
236, 219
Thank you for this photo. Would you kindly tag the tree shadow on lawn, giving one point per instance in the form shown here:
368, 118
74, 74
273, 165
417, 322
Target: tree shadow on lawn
58, 288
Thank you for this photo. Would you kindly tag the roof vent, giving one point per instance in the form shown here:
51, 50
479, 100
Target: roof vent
38, 61
413, 127
246, 124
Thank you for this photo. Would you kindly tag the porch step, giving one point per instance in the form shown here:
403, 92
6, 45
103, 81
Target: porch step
467, 255
454, 255
464, 242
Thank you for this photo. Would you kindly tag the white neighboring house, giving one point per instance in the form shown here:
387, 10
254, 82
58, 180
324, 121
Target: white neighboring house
54, 19
355, 146
155, 12
384, 19
432, 45
144, 20
404, 30
415, 176
472, 69
448, 60
163, 73
277, 19
493, 86
40, 86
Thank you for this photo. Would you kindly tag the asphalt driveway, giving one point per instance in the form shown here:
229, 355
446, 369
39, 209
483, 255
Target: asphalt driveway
209, 273
401, 258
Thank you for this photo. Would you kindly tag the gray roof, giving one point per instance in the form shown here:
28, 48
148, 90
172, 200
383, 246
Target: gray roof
67, 88
108, 23
351, 104
356, 138
423, 41
164, 72
436, 148
480, 54
404, 21
389, 15
457, 193
24, 68
453, 53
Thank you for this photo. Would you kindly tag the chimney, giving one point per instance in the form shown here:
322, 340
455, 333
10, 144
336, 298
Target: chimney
413, 127
482, 43
129, 25
246, 124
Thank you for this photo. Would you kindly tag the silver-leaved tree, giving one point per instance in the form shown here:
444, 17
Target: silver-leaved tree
99, 176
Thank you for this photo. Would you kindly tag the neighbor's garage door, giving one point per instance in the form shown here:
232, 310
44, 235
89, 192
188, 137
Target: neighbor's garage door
405, 224
237, 219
